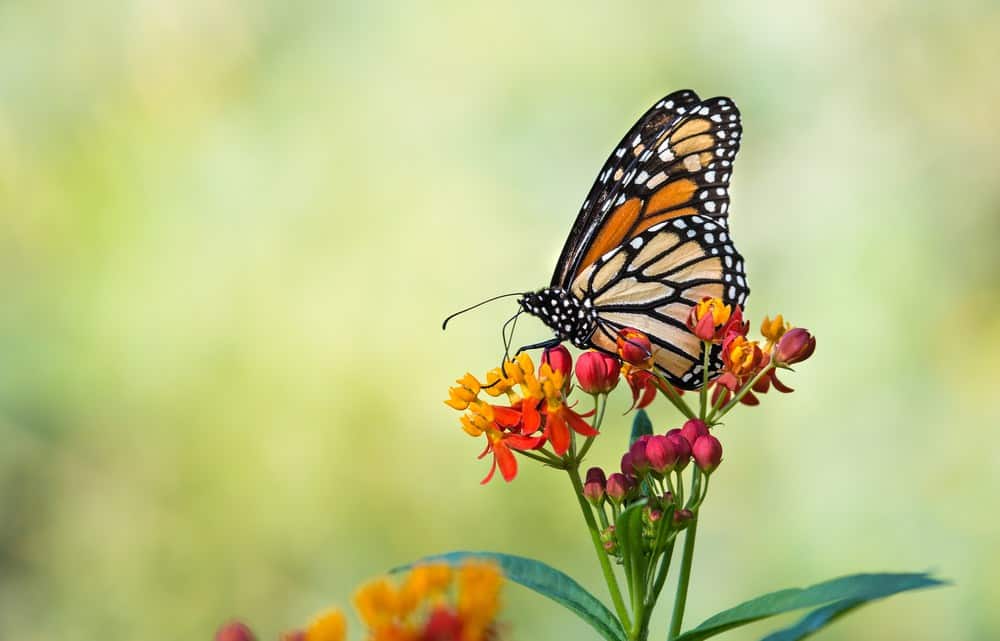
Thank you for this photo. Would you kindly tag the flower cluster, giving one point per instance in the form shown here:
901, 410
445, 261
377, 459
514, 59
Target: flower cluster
748, 368
537, 412
433, 603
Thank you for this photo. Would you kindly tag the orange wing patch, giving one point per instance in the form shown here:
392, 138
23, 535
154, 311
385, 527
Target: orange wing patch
673, 194
614, 232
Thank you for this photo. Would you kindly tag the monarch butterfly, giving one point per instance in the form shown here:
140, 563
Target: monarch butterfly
651, 239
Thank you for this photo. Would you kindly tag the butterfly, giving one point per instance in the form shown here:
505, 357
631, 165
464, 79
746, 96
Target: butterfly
652, 239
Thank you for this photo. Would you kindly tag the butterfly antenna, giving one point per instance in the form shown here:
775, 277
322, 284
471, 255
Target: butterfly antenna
444, 325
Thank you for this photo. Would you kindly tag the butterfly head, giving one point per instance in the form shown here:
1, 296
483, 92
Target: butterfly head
569, 317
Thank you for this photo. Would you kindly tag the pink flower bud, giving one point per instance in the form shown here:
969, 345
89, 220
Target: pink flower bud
593, 489
597, 373
559, 359
234, 631
617, 488
661, 454
652, 514
795, 346
682, 516
682, 447
640, 462
634, 347
627, 468
692, 429
707, 452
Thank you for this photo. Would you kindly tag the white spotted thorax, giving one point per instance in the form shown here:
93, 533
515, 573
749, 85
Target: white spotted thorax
570, 318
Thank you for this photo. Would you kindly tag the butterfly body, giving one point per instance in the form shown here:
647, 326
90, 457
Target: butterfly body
652, 238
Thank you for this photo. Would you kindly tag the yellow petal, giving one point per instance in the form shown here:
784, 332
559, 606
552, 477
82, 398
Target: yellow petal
329, 626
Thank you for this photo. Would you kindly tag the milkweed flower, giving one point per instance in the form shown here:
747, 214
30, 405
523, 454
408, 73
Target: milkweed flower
708, 318
741, 357
433, 603
536, 413
773, 329
596, 372
707, 452
795, 346
559, 359
235, 631
634, 347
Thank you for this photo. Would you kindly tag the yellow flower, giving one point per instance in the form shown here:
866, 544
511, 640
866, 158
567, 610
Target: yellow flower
519, 368
773, 330
466, 392
425, 583
479, 418
377, 603
478, 597
497, 382
329, 626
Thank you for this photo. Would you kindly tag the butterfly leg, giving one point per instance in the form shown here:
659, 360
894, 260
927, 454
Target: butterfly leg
552, 342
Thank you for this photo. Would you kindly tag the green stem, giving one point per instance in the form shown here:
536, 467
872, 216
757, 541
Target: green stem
661, 578
596, 425
680, 600
668, 390
706, 348
536, 457
602, 555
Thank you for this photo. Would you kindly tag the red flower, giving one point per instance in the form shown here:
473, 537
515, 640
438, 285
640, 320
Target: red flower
502, 444
559, 359
597, 373
634, 347
558, 422
741, 357
712, 320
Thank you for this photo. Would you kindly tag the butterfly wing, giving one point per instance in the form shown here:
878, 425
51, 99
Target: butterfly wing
650, 283
675, 161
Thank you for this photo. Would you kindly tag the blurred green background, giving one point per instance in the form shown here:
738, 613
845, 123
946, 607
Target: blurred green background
230, 232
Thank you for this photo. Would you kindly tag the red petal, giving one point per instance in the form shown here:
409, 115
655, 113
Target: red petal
493, 470
778, 385
750, 399
532, 418
506, 417
557, 433
579, 425
506, 460
524, 442
648, 395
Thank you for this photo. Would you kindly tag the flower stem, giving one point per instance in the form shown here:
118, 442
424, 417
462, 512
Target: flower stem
706, 347
602, 555
680, 600
671, 394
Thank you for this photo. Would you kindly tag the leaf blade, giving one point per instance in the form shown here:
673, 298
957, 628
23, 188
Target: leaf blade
862, 587
545, 580
641, 426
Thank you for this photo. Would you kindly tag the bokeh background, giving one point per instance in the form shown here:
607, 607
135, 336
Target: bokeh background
230, 232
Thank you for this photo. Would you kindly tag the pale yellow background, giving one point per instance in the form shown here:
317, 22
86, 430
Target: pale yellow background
229, 232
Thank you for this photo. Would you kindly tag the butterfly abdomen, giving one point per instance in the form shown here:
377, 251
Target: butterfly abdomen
569, 317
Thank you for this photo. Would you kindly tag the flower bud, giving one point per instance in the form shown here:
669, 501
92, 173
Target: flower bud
443, 623
634, 347
596, 475
661, 454
593, 489
597, 373
640, 462
234, 631
773, 330
707, 453
652, 515
609, 541
559, 359
617, 487
682, 447
693, 428
681, 517
626, 466
795, 346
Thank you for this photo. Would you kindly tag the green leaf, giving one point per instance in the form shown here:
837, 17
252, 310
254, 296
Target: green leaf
641, 426
545, 580
856, 589
815, 620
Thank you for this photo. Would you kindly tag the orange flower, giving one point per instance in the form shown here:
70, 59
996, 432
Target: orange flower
634, 348
741, 357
